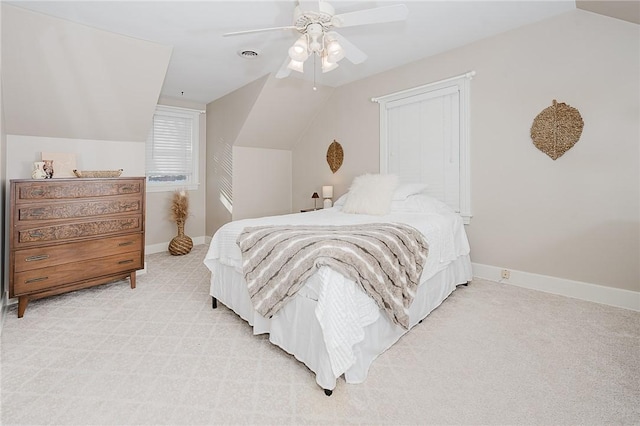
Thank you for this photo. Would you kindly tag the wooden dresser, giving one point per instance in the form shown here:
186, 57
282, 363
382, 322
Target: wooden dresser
68, 234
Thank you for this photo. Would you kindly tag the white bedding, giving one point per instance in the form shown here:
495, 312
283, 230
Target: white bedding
345, 315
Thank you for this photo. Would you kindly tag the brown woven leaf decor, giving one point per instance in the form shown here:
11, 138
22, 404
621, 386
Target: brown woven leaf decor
556, 129
335, 155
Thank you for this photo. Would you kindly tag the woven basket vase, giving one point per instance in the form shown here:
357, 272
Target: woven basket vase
180, 244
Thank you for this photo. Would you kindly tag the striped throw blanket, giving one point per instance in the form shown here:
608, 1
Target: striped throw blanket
385, 259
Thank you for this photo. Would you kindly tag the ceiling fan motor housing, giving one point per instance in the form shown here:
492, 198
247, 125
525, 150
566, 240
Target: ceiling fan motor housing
302, 19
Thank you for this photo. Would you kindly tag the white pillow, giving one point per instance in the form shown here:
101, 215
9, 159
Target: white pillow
371, 194
420, 203
405, 190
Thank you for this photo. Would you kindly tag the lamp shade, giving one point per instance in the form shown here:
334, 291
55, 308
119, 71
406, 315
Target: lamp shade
328, 66
296, 65
327, 192
315, 195
335, 52
299, 51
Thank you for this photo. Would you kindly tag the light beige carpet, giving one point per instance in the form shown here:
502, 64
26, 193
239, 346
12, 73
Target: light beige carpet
491, 354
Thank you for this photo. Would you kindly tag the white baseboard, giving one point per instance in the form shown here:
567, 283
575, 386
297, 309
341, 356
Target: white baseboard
579, 290
159, 248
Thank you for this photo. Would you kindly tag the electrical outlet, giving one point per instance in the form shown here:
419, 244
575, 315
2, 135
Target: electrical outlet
505, 274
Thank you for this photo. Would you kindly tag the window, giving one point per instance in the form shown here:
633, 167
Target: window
172, 149
424, 137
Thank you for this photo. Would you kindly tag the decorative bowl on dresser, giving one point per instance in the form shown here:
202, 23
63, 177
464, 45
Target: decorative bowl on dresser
69, 234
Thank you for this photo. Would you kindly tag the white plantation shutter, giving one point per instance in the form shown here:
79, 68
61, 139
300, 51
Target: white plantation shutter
423, 142
424, 137
172, 147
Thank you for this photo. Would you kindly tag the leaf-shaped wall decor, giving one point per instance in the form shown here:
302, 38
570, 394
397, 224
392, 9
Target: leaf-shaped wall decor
335, 155
556, 129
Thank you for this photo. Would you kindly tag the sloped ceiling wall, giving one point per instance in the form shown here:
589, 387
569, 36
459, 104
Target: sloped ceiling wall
67, 80
620, 9
281, 113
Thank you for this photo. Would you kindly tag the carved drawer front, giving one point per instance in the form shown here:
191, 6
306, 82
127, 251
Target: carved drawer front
76, 188
45, 278
69, 231
76, 210
42, 257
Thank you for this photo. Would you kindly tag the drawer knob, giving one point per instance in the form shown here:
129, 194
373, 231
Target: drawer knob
36, 234
35, 280
38, 192
126, 243
36, 257
122, 262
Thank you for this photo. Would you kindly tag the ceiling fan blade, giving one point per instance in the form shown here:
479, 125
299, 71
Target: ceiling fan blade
290, 27
351, 52
398, 12
284, 70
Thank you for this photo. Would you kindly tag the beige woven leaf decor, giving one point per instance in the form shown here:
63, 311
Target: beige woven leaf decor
556, 129
335, 155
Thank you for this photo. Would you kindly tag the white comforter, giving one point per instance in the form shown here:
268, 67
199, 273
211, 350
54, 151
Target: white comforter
343, 309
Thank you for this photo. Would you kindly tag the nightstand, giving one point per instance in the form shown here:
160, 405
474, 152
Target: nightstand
310, 210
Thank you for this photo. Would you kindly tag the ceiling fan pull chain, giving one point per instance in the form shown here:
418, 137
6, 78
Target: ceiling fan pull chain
314, 72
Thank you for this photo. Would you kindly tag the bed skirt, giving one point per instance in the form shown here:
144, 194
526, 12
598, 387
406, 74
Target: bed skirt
296, 330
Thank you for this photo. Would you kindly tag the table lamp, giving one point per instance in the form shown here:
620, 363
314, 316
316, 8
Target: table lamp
327, 194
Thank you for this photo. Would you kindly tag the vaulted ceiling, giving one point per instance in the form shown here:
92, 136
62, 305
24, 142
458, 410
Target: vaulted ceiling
205, 65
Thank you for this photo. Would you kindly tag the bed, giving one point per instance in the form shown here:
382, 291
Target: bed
331, 324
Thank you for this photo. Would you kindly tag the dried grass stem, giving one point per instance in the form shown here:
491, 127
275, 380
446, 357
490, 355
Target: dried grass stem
179, 206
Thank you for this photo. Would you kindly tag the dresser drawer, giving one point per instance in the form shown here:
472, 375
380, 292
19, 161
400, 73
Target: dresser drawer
42, 257
61, 189
77, 210
45, 278
36, 233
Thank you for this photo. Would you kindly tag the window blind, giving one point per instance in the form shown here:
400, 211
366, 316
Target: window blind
170, 148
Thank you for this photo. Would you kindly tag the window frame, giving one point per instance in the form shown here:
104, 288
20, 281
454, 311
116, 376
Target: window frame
194, 183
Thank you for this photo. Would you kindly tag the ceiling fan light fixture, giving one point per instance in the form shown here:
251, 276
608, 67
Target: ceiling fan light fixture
335, 52
315, 34
315, 46
328, 65
314, 21
296, 65
299, 52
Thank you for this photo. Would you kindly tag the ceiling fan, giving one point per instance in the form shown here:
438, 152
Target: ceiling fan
315, 21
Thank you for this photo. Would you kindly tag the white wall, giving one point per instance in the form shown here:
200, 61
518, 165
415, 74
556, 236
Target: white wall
22, 151
576, 218
225, 118
4, 247
261, 182
281, 113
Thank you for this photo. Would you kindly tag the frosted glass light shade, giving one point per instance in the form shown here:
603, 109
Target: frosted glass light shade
327, 192
335, 52
296, 65
299, 52
328, 66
